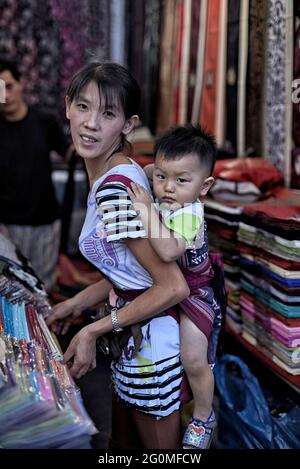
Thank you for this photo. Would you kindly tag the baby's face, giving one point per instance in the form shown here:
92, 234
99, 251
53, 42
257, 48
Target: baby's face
181, 181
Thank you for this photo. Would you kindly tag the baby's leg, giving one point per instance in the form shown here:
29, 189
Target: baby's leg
193, 347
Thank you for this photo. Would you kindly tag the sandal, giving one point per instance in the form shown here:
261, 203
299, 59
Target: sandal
198, 434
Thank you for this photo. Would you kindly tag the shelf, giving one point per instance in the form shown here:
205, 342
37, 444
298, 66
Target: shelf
291, 380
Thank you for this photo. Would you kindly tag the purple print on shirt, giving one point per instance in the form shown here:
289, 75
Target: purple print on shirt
99, 251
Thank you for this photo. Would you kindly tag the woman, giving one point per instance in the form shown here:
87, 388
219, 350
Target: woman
102, 106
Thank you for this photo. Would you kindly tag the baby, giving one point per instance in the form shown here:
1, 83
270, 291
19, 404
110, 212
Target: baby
184, 161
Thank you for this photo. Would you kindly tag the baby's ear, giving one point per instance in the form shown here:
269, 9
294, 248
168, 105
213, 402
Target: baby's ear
206, 185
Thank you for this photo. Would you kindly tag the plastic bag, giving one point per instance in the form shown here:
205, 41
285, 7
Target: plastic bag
286, 430
244, 419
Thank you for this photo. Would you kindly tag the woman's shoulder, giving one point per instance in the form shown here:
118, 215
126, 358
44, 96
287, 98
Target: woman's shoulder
125, 170
118, 159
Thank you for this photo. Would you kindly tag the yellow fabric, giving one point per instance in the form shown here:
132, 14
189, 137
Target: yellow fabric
185, 224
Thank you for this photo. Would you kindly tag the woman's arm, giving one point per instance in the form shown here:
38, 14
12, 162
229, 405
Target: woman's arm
169, 288
73, 307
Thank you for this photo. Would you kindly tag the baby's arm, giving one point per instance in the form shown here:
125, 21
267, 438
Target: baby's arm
167, 244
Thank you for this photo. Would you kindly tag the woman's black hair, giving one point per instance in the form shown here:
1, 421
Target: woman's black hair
114, 81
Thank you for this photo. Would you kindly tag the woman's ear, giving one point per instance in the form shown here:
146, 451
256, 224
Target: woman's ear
130, 124
68, 104
206, 185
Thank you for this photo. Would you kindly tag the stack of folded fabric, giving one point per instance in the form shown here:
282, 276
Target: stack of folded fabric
244, 180
223, 223
269, 245
238, 182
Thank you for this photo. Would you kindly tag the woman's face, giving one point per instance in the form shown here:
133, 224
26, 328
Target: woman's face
96, 128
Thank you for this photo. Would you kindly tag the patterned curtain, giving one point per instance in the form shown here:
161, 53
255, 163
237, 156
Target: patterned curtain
277, 90
50, 40
232, 75
295, 176
29, 34
256, 58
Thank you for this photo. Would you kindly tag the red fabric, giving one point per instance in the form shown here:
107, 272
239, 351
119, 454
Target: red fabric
208, 102
257, 252
143, 160
256, 170
283, 206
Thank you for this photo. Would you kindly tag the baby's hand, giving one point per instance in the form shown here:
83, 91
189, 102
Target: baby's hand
139, 196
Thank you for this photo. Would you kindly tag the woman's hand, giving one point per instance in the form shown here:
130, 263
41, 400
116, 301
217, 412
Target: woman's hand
81, 353
63, 315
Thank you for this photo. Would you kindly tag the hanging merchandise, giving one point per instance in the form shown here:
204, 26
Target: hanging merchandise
177, 61
200, 62
117, 31
278, 77
167, 64
256, 60
209, 95
195, 26
184, 63
151, 60
232, 75
51, 40
295, 170
243, 61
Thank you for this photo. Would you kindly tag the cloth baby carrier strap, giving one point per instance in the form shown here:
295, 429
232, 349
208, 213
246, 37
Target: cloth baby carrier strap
117, 178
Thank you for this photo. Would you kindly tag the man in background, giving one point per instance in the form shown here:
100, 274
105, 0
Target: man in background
29, 212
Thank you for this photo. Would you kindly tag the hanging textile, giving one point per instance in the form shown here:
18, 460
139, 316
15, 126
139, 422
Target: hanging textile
178, 56
151, 60
135, 33
243, 56
221, 77
72, 46
295, 169
208, 102
167, 65
195, 24
200, 62
288, 78
51, 40
117, 31
256, 60
98, 30
277, 102
232, 74
184, 65
29, 35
